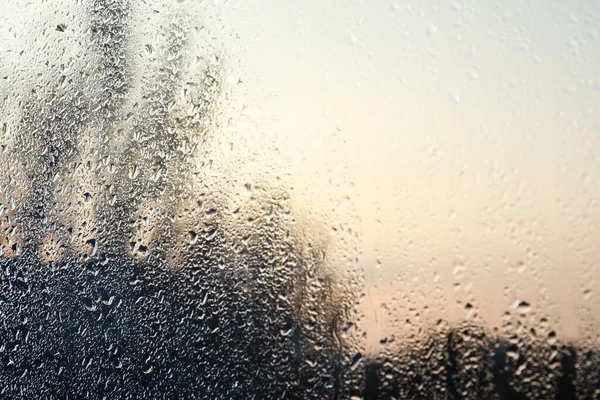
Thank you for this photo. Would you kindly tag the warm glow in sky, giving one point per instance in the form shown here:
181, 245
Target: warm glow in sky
464, 137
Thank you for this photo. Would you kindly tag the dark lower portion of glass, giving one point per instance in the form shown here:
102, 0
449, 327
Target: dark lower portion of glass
118, 328
497, 370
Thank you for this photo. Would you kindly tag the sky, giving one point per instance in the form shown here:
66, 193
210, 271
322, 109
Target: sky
462, 139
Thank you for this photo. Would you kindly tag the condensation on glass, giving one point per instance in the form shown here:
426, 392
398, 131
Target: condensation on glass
262, 199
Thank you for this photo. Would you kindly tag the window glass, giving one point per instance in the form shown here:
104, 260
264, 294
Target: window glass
300, 199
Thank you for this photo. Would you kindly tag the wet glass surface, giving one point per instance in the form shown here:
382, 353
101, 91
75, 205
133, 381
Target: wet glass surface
299, 200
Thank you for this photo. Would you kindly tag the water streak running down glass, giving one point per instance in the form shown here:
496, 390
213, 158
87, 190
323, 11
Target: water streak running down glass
299, 200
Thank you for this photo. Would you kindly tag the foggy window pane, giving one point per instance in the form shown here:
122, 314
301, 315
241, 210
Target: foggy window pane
299, 200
